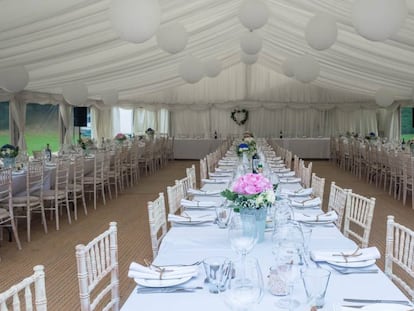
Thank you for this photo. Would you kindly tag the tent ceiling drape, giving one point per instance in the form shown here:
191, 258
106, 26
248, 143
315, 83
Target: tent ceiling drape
60, 42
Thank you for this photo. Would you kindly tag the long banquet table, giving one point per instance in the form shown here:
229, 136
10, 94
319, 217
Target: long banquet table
188, 244
190, 149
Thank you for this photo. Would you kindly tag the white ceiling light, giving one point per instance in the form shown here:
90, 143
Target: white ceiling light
14, 79
110, 97
212, 67
384, 97
253, 14
378, 20
76, 94
248, 59
172, 38
306, 68
135, 20
251, 43
191, 69
321, 31
288, 66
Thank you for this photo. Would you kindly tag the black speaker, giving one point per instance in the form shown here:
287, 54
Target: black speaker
80, 116
412, 116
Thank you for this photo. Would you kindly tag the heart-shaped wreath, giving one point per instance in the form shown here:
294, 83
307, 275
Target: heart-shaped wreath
240, 116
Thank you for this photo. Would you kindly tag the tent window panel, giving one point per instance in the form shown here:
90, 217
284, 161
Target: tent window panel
407, 125
4, 123
42, 127
125, 118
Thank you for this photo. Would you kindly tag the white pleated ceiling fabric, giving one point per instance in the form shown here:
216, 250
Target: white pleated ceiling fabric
61, 42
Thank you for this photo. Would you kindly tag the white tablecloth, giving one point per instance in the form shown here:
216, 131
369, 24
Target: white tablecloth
194, 148
187, 244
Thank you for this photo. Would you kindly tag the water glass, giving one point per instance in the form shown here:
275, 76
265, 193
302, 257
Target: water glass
316, 282
243, 233
223, 214
218, 272
246, 288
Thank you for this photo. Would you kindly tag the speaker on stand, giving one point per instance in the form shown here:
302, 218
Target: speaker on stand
80, 118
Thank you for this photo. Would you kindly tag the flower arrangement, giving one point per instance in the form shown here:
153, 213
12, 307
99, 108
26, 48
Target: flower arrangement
244, 116
371, 136
252, 191
85, 142
120, 137
9, 151
243, 147
150, 131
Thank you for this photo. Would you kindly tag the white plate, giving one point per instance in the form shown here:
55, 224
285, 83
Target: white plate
194, 222
320, 222
161, 283
355, 264
18, 172
386, 307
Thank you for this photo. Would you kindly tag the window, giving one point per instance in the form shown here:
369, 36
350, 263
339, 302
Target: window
42, 127
407, 129
4, 124
125, 121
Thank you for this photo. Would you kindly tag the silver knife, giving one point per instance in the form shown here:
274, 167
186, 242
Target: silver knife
165, 290
402, 302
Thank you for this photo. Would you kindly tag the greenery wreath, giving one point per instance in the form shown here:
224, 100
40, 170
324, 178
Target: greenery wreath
245, 116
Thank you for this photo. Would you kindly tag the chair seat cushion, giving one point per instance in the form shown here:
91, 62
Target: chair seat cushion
23, 200
4, 213
50, 194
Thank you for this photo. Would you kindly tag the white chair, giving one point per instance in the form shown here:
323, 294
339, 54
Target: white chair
157, 222
175, 194
186, 184
337, 202
191, 173
203, 169
96, 181
6, 207
76, 186
318, 186
23, 289
399, 251
359, 212
97, 261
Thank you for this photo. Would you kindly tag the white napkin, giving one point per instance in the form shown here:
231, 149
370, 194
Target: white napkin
330, 216
189, 203
152, 273
277, 165
316, 202
226, 162
203, 192
223, 170
276, 162
297, 193
341, 255
286, 174
220, 175
215, 181
281, 170
290, 180
178, 218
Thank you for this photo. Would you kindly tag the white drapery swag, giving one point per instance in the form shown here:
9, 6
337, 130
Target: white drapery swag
18, 113
65, 112
102, 123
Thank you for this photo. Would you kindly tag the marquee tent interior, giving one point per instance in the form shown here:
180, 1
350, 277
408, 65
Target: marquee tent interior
75, 44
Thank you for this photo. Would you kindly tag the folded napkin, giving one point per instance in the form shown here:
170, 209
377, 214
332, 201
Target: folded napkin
189, 203
297, 193
290, 180
315, 202
215, 181
221, 174
286, 174
281, 169
281, 165
346, 255
223, 170
138, 271
203, 192
190, 219
273, 162
226, 162
330, 216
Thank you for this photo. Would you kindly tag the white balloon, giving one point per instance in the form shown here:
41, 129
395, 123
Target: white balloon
378, 20
172, 38
288, 66
135, 20
253, 14
384, 97
306, 68
110, 97
251, 43
14, 79
212, 67
248, 59
321, 31
76, 94
191, 69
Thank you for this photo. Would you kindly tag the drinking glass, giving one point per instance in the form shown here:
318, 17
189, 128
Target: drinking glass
288, 268
242, 233
246, 288
218, 272
316, 282
223, 214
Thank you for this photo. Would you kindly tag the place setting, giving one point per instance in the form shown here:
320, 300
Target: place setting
196, 204
191, 220
300, 202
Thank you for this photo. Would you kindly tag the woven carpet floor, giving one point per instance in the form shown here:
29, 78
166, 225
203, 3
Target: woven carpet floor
56, 250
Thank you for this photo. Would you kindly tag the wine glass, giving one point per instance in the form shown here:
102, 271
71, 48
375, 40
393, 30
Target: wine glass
246, 287
242, 234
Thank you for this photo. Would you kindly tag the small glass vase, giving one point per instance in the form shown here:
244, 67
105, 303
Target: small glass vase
260, 214
9, 162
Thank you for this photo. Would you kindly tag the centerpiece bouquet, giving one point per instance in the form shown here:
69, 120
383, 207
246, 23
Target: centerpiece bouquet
9, 151
85, 142
150, 132
120, 137
251, 191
